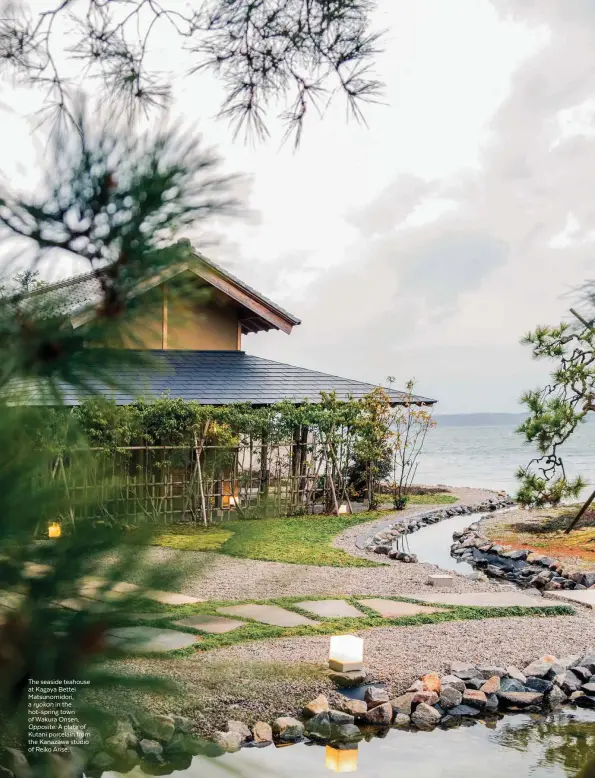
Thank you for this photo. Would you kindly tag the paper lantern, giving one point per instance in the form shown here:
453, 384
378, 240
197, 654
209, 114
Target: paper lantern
54, 530
341, 760
346, 653
343, 509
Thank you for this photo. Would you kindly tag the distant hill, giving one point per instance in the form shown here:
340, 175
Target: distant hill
480, 419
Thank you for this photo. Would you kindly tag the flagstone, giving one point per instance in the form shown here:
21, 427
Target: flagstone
392, 609
331, 609
214, 624
583, 596
151, 639
267, 614
483, 599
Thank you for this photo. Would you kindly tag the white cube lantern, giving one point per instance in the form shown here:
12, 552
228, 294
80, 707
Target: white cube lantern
342, 509
346, 653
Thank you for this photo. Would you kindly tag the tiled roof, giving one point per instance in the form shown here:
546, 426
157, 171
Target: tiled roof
225, 377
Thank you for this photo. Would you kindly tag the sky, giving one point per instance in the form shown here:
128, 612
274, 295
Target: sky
427, 242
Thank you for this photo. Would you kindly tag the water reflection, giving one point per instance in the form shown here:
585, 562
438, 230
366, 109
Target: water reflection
341, 760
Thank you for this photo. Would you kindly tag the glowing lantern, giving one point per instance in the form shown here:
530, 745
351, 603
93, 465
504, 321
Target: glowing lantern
346, 653
54, 530
343, 509
341, 760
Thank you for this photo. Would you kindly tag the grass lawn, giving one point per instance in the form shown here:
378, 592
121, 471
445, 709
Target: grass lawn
254, 630
302, 540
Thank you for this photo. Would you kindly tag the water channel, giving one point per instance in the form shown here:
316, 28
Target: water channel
560, 745
432, 543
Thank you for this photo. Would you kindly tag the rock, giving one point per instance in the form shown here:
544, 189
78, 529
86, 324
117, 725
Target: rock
103, 761
340, 717
402, 721
488, 671
464, 671
375, 696
228, 741
589, 688
583, 673
464, 710
357, 708
492, 685
159, 728
403, 704
495, 572
242, 729
416, 686
182, 724
288, 729
514, 673
511, 685
576, 696
123, 740
450, 697
380, 715
555, 697
349, 679
150, 748
539, 685
475, 698
430, 698
491, 703
425, 717
588, 579
318, 727
587, 661
454, 681
431, 682
538, 669
318, 705
519, 699
569, 682
15, 761
474, 683
346, 733
567, 662
262, 732
586, 701
5, 772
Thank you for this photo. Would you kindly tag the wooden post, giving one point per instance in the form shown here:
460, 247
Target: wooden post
264, 465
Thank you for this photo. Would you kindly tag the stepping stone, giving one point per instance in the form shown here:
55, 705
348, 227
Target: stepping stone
583, 596
172, 598
331, 609
391, 609
441, 581
267, 614
123, 588
482, 599
216, 625
150, 639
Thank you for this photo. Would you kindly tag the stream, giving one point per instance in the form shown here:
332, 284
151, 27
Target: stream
432, 544
560, 745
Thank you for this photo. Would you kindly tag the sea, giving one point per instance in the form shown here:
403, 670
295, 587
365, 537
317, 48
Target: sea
484, 451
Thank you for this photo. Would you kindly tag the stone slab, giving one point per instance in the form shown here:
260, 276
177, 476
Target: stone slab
216, 625
391, 609
583, 596
121, 589
267, 614
171, 598
482, 599
150, 639
331, 609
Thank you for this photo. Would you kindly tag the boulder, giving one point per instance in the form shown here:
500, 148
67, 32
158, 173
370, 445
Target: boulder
425, 717
511, 685
228, 741
588, 579
539, 685
374, 696
287, 729
583, 673
348, 679
464, 710
416, 686
431, 682
588, 688
538, 669
454, 681
402, 721
474, 683
492, 685
555, 697
567, 662
357, 708
15, 761
380, 715
319, 727
159, 728
464, 671
150, 748
514, 673
586, 701
430, 698
340, 717
103, 761
182, 724
262, 732
318, 705
569, 682
242, 729
588, 660
491, 703
403, 704
475, 698
489, 671
450, 697
346, 733
519, 699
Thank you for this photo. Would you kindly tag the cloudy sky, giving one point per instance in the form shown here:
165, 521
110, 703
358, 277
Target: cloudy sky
427, 243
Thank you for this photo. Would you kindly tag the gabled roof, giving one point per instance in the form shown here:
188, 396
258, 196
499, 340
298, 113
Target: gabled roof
225, 377
78, 296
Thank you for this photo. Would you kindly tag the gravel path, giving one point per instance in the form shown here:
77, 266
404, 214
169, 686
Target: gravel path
266, 679
216, 576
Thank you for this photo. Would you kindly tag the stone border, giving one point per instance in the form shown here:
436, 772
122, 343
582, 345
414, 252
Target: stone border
525, 568
387, 541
